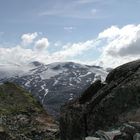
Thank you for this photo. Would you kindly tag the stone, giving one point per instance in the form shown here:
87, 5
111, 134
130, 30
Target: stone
128, 129
92, 138
136, 136
111, 105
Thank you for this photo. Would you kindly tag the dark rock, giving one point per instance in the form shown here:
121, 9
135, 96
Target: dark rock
129, 130
92, 90
136, 136
123, 136
136, 125
76, 129
4, 135
102, 135
105, 107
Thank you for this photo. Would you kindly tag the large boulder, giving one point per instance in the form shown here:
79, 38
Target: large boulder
105, 106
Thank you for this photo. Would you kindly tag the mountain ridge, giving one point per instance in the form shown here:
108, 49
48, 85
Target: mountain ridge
53, 84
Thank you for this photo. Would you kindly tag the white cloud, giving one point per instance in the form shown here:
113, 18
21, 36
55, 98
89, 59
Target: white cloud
69, 28
72, 13
109, 33
1, 33
72, 9
28, 38
71, 50
116, 45
16, 54
41, 44
86, 1
19, 54
58, 43
121, 45
93, 11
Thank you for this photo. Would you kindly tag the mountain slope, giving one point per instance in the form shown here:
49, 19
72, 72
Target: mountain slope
53, 84
105, 106
22, 117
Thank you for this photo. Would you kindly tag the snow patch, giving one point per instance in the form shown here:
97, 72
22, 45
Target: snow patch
85, 74
49, 73
55, 82
46, 92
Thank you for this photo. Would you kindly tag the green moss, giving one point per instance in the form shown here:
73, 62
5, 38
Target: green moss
14, 99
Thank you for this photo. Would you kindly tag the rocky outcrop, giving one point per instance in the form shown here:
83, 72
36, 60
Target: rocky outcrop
104, 106
22, 117
129, 131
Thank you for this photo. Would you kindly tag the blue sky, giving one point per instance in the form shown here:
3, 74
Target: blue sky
66, 25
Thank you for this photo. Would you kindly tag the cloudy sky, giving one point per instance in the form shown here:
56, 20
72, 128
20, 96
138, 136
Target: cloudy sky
100, 32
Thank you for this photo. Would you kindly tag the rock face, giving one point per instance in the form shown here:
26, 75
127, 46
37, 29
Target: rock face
22, 117
104, 106
128, 131
52, 84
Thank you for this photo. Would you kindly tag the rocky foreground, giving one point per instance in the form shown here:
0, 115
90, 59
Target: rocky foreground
128, 131
22, 117
106, 107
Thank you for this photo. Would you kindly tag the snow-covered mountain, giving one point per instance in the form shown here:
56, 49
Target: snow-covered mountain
53, 84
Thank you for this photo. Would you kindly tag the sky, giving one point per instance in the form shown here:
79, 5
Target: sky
94, 32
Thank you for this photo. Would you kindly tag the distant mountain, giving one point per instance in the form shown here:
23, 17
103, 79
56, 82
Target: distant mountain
53, 84
22, 117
